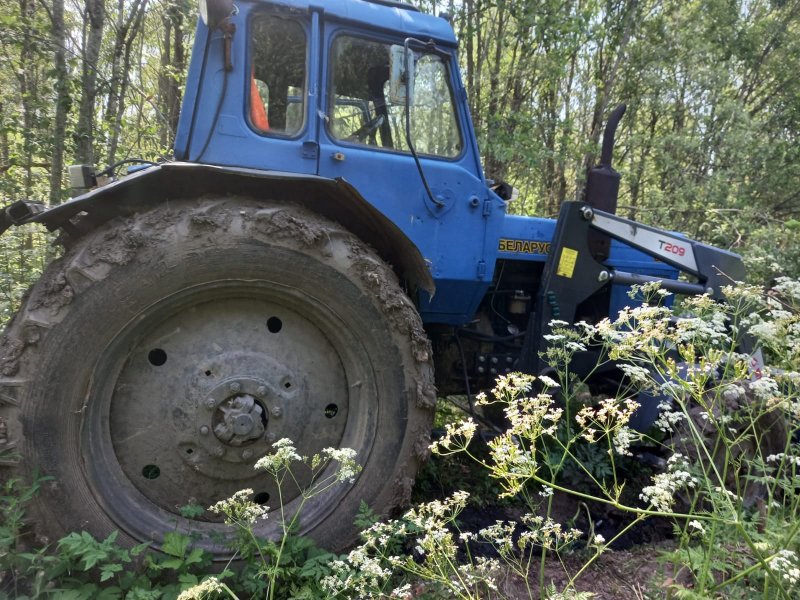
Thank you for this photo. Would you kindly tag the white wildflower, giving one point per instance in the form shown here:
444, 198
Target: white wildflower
697, 526
456, 437
667, 418
785, 458
765, 387
239, 509
785, 563
547, 381
281, 458
623, 439
348, 467
661, 495
207, 588
636, 373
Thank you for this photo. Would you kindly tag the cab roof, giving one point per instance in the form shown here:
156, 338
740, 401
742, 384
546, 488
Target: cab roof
386, 15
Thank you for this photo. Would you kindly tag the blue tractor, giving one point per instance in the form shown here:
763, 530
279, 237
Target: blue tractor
324, 256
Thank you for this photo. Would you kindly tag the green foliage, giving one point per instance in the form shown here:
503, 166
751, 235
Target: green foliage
83, 568
729, 485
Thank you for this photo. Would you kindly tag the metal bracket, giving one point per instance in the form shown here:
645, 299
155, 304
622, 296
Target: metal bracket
19, 213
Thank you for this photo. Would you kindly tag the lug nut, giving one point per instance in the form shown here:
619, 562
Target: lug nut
204, 430
235, 386
218, 451
210, 403
271, 437
276, 411
246, 454
261, 390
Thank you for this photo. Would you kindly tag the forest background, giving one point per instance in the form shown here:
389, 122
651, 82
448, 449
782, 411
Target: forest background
709, 145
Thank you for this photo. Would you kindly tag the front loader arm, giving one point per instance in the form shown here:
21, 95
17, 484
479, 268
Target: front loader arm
572, 274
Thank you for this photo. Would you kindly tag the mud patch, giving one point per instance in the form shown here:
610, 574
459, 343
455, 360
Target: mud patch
283, 224
11, 350
53, 294
118, 246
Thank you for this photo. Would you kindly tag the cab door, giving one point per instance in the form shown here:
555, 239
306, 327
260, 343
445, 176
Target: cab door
439, 199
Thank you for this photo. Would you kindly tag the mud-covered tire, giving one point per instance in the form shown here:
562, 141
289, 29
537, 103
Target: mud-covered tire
759, 432
120, 370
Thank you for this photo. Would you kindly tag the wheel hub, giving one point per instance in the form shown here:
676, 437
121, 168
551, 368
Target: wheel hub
239, 418
192, 418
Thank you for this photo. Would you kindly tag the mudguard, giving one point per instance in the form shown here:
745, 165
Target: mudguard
334, 199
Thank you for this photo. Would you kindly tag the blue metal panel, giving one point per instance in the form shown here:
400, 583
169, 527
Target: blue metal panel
452, 238
525, 238
234, 142
195, 79
376, 17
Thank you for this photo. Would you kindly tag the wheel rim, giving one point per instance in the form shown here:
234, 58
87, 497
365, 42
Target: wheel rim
195, 389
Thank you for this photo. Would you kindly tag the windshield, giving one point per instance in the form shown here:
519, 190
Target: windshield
362, 110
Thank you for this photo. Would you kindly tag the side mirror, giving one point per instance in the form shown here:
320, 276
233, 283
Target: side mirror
214, 12
401, 83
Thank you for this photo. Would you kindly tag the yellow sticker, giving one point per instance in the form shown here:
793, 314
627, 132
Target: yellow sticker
566, 264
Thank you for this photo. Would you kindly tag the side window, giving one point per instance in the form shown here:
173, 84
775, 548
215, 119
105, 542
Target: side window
362, 110
277, 75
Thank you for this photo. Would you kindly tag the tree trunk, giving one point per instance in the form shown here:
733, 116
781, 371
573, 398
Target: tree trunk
127, 30
173, 64
94, 17
62, 100
27, 9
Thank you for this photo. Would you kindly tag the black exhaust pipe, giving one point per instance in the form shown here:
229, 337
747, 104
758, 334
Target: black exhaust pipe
602, 184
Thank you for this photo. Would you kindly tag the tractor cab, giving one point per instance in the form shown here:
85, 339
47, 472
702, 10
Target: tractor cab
361, 91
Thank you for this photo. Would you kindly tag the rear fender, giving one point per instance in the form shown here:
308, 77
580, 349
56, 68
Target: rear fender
334, 199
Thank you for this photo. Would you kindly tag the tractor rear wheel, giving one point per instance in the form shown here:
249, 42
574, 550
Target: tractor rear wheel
160, 358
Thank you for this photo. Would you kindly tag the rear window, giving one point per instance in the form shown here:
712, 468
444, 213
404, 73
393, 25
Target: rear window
277, 82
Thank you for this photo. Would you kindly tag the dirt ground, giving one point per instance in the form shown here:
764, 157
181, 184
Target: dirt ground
629, 569
631, 574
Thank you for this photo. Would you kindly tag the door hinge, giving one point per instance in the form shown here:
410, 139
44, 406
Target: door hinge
310, 150
487, 208
481, 269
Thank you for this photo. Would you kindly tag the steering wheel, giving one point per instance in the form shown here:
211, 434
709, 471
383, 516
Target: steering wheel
366, 129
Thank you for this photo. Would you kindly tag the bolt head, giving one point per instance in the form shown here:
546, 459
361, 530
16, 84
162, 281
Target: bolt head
204, 430
276, 411
247, 453
587, 213
603, 276
235, 386
261, 390
218, 451
210, 403
271, 437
